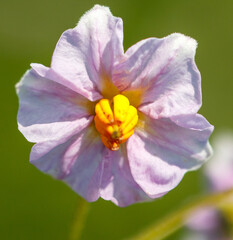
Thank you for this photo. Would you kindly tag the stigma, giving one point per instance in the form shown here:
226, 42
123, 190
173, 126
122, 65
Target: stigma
115, 121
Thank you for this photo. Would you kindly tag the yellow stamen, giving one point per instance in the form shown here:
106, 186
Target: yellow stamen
121, 106
115, 121
104, 111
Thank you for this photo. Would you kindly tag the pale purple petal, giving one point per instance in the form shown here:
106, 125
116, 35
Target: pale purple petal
208, 223
75, 160
52, 75
190, 135
85, 55
165, 71
117, 183
48, 110
153, 169
162, 152
204, 220
89, 168
219, 169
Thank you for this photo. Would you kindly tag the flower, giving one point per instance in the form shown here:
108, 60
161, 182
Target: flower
146, 142
219, 171
209, 222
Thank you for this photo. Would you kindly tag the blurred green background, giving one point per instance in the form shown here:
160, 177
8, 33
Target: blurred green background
32, 204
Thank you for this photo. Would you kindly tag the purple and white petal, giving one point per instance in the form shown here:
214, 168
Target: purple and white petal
165, 72
162, 152
207, 223
75, 161
152, 167
48, 110
219, 169
86, 54
206, 219
117, 183
90, 169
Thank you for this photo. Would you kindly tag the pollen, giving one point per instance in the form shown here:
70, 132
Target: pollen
115, 121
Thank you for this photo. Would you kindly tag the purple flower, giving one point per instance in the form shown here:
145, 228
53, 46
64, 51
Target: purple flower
207, 224
210, 222
219, 171
144, 102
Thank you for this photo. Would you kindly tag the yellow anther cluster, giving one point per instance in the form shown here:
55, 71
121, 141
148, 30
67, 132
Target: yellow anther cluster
115, 120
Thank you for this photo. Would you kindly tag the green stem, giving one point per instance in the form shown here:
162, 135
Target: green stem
79, 219
174, 221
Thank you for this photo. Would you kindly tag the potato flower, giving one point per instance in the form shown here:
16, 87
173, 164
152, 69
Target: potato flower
211, 223
219, 171
118, 125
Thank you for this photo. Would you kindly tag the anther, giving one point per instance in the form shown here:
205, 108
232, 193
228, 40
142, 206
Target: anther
115, 122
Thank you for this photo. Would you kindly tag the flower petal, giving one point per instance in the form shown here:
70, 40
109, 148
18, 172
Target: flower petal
206, 219
161, 153
165, 71
48, 110
220, 169
153, 169
117, 183
75, 160
89, 168
85, 55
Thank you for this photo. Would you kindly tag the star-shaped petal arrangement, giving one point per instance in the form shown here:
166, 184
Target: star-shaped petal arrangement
118, 125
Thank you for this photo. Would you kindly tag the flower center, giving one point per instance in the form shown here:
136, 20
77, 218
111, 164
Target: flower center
115, 120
